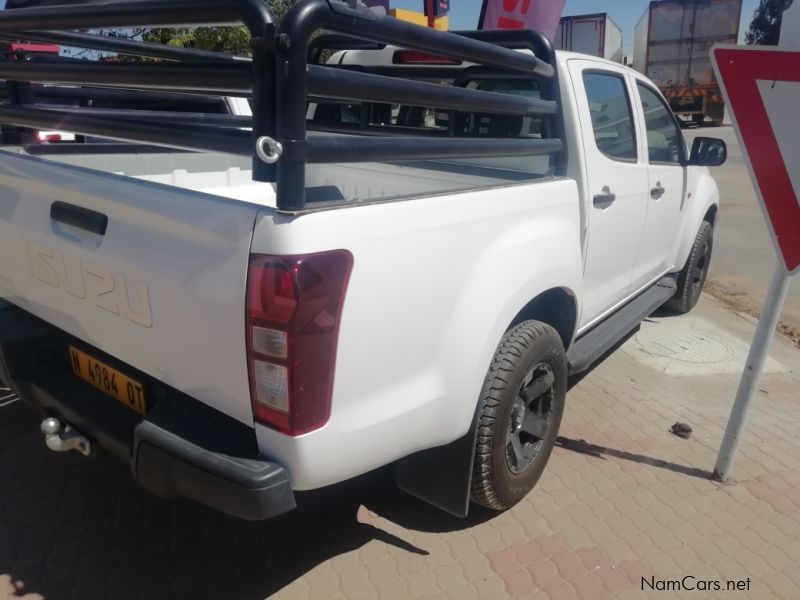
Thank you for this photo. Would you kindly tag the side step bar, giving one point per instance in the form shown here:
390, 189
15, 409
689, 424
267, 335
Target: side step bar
598, 341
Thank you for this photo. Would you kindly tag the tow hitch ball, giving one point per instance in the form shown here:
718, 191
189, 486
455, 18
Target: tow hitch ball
63, 438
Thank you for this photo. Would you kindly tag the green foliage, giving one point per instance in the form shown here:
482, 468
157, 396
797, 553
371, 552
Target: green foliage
234, 40
279, 7
765, 27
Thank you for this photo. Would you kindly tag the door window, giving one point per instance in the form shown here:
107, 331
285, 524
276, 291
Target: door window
612, 118
664, 140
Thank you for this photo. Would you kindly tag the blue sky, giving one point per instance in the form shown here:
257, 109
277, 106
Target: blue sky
464, 13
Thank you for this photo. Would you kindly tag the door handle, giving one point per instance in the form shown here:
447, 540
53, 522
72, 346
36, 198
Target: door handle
77, 216
657, 192
605, 199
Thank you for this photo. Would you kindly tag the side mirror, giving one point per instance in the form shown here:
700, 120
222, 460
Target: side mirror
708, 152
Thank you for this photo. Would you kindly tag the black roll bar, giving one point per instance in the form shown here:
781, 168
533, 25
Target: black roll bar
213, 77
308, 16
91, 41
234, 80
353, 85
153, 13
128, 95
339, 149
278, 79
163, 116
177, 135
320, 149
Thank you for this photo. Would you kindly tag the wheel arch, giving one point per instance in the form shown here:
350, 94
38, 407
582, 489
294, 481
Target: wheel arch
711, 214
442, 475
556, 307
702, 206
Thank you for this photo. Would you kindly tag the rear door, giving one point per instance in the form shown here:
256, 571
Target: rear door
160, 286
664, 148
616, 183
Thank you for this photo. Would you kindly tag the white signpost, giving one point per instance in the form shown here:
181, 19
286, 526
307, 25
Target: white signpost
761, 87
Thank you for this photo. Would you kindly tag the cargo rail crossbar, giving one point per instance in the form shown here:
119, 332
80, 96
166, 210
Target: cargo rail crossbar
279, 82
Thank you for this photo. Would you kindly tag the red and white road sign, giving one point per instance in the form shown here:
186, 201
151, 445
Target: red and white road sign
761, 87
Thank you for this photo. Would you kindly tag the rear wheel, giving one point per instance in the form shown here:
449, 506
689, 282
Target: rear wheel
693, 276
521, 408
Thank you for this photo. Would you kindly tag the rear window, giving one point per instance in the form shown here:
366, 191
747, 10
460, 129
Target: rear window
502, 125
399, 116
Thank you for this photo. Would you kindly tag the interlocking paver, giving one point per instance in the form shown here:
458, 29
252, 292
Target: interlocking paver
574, 535
463, 591
622, 499
569, 565
590, 587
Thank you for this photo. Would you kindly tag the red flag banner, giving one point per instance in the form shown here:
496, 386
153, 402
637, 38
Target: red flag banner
541, 15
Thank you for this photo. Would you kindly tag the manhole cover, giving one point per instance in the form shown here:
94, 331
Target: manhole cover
682, 344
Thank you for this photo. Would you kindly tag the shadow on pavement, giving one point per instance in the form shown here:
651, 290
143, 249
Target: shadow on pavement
601, 452
72, 527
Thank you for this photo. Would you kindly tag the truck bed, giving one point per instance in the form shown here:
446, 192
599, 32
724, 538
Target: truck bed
231, 177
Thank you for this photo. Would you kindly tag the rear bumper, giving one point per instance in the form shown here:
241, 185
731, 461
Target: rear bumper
180, 449
170, 460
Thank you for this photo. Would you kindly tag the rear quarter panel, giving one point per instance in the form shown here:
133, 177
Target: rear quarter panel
435, 284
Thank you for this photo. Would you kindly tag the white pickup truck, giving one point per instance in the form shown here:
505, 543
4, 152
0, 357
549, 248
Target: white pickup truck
416, 284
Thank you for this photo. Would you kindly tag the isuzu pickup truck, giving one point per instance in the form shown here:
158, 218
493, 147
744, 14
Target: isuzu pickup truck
404, 256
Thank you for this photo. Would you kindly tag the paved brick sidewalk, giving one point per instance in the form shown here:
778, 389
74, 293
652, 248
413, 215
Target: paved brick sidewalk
621, 499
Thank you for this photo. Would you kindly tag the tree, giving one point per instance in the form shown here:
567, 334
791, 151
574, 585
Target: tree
233, 40
765, 28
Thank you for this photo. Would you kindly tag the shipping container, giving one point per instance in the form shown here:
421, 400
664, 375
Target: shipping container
595, 34
671, 45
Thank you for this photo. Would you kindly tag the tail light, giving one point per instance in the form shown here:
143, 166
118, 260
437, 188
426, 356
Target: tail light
294, 305
412, 57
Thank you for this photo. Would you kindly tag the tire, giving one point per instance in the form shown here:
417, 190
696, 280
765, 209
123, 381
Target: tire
509, 456
693, 276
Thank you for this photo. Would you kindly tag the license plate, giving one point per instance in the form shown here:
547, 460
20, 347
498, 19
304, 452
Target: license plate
108, 380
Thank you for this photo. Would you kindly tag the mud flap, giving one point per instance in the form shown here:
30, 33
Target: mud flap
441, 476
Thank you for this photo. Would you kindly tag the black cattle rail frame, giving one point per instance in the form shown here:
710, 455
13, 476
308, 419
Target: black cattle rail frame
278, 80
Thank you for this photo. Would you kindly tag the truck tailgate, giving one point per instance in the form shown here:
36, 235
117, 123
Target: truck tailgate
162, 289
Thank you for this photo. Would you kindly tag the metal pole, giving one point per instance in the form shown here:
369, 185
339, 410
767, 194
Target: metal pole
759, 350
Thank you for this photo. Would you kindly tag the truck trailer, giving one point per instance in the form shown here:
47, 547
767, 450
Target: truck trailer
671, 45
595, 34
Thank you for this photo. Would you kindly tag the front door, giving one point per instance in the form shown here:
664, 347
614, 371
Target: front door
615, 184
664, 148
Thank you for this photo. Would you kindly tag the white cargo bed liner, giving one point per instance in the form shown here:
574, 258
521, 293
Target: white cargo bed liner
230, 176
